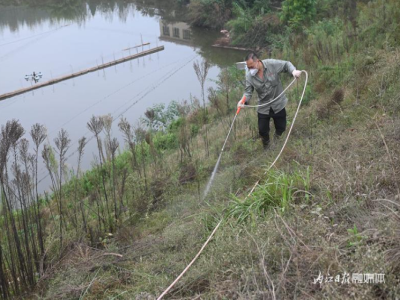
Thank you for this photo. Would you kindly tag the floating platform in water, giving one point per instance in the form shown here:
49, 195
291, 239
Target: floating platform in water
35, 77
80, 73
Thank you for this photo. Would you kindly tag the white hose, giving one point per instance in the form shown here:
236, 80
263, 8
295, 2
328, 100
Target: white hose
276, 98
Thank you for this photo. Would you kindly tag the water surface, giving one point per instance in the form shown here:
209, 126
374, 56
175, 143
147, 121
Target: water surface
58, 38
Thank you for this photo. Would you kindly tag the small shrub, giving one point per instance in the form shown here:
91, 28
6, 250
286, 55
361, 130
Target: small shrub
166, 141
187, 173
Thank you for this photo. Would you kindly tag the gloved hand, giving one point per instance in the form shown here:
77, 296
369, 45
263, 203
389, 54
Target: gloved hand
296, 73
240, 104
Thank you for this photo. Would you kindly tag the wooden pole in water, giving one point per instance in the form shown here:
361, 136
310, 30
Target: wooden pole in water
145, 44
80, 73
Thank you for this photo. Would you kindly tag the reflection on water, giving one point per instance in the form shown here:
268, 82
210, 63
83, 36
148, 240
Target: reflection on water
176, 32
17, 13
170, 14
16, 17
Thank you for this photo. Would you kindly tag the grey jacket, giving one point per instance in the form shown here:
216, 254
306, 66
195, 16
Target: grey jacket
270, 87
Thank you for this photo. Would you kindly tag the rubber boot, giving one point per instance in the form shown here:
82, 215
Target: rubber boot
277, 138
265, 142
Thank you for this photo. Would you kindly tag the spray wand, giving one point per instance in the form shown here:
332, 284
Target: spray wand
222, 150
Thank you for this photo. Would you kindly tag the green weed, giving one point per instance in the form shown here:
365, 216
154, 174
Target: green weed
277, 192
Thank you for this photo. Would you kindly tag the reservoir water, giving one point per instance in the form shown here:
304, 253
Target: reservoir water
57, 38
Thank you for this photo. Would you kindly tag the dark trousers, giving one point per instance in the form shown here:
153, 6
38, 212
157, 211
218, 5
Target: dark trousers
279, 121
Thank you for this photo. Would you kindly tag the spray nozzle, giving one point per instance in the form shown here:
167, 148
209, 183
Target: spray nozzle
241, 102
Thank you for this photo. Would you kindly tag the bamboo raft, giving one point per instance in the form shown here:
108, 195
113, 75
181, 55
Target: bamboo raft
80, 73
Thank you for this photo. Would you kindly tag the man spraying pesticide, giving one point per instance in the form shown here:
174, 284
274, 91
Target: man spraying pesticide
263, 76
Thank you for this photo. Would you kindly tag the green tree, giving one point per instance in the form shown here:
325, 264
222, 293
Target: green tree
296, 13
